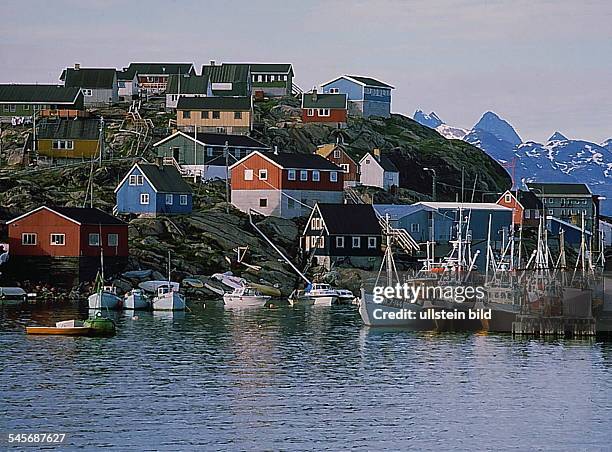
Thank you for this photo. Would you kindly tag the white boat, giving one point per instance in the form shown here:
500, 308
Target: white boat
345, 296
12, 295
152, 286
105, 298
228, 278
245, 296
315, 294
168, 299
136, 299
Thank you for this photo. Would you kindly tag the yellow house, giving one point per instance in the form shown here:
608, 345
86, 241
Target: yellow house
231, 115
59, 138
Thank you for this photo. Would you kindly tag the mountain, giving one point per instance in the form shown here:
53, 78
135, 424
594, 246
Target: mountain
500, 129
557, 136
433, 121
607, 144
430, 120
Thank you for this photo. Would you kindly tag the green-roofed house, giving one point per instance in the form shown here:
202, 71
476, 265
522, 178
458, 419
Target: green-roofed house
187, 85
228, 79
232, 115
59, 139
99, 85
331, 109
153, 77
366, 95
272, 79
21, 101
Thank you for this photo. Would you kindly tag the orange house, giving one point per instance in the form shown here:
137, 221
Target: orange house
526, 207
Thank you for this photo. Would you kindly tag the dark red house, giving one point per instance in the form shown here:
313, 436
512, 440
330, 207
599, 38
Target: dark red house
330, 109
69, 238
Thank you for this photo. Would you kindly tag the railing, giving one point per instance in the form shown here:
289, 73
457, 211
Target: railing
296, 90
401, 237
352, 196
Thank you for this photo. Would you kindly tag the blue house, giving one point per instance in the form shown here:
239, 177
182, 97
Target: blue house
154, 189
366, 96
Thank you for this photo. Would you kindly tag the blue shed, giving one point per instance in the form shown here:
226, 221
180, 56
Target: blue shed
367, 96
154, 189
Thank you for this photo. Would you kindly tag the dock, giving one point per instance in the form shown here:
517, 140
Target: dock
558, 326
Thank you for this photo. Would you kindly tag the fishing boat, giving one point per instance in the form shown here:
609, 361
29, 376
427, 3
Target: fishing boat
105, 298
152, 286
168, 297
315, 294
136, 299
245, 296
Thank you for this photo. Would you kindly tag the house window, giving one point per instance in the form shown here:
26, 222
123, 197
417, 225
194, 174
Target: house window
536, 214
334, 90
356, 242
339, 242
136, 179
209, 152
323, 111
144, 198
263, 174
316, 177
6, 107
216, 114
140, 179
58, 239
183, 200
94, 239
367, 161
508, 198
63, 144
28, 239
527, 214
284, 78
371, 242
311, 112
260, 78
333, 176
337, 153
551, 212
132, 180
248, 174
316, 224
263, 202
272, 78
303, 175
169, 199
550, 200
345, 167
291, 174
87, 92
26, 107
237, 115
237, 154
186, 115
112, 239
317, 242
220, 129
415, 227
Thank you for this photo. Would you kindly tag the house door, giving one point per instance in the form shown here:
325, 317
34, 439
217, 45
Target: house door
176, 154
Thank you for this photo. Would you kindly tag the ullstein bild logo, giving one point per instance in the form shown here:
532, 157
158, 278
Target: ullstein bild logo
412, 293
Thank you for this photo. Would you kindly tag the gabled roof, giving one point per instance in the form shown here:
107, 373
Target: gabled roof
228, 79
326, 149
72, 129
287, 160
271, 68
79, 215
384, 162
356, 219
163, 179
124, 75
526, 199
464, 205
397, 211
52, 94
363, 81
218, 139
158, 69
321, 100
544, 189
214, 103
91, 78
187, 84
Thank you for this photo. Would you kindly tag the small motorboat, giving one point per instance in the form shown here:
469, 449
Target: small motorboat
105, 298
229, 279
168, 299
345, 296
65, 328
152, 286
315, 294
136, 299
245, 296
12, 295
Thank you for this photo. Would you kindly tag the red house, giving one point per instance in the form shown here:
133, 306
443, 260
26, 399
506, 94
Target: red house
525, 205
41, 237
285, 184
336, 153
329, 109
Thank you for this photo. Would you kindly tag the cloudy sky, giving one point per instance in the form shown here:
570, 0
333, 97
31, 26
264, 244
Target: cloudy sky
543, 65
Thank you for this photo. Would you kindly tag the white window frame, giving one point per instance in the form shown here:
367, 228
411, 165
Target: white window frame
248, 174
169, 199
324, 112
311, 112
291, 174
333, 176
209, 152
371, 242
355, 242
415, 227
183, 200
87, 92
334, 90
115, 241
316, 176
53, 239
263, 174
337, 153
303, 175
345, 167
132, 180
508, 198
145, 199
95, 242
339, 242
25, 242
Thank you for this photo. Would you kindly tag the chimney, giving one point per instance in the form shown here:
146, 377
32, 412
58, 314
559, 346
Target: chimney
275, 149
376, 153
77, 66
212, 62
314, 94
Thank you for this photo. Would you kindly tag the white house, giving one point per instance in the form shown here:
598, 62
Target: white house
128, 85
378, 171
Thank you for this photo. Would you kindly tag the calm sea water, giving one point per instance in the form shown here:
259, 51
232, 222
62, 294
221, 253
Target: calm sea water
308, 379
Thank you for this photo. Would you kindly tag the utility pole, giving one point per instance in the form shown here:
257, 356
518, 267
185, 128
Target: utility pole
227, 192
433, 182
462, 181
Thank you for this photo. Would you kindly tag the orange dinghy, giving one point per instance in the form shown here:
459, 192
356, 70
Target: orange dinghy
66, 328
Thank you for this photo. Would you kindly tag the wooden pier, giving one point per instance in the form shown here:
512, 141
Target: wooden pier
561, 326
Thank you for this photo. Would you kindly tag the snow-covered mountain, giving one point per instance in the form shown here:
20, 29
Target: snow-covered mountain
560, 159
432, 121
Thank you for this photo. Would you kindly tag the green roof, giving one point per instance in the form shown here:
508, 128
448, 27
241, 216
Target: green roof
52, 94
544, 189
369, 81
214, 103
235, 73
323, 100
271, 68
164, 178
158, 69
92, 78
189, 84
70, 129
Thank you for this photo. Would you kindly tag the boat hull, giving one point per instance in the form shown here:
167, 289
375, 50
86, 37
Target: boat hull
232, 301
55, 331
172, 301
105, 300
134, 302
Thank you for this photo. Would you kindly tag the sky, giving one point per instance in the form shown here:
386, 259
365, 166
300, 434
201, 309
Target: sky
543, 65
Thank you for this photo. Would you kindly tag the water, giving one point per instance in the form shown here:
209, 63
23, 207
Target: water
307, 379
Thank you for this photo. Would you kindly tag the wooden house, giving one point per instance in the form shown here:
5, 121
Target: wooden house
127, 83
153, 77
377, 170
336, 153
99, 85
59, 139
343, 234
525, 205
285, 185
187, 85
366, 95
202, 155
328, 109
22, 101
272, 79
233, 115
153, 189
